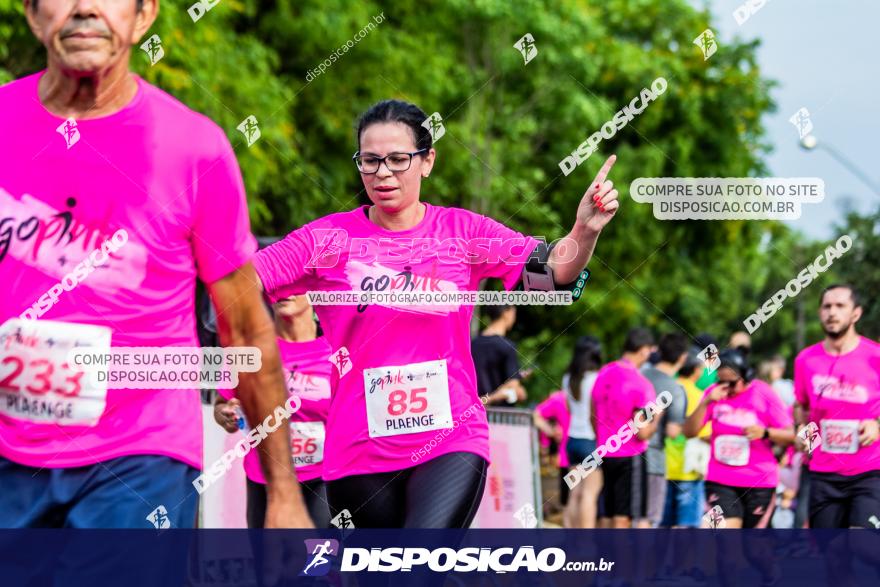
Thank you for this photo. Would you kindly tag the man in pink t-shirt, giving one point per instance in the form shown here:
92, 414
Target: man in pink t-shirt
620, 394
837, 389
108, 219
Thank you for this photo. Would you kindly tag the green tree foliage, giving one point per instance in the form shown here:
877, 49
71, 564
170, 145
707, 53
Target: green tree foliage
508, 124
861, 266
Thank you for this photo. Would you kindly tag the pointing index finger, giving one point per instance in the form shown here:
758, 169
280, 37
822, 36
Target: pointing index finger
606, 168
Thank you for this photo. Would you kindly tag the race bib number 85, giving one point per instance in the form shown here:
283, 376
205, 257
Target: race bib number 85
407, 399
37, 384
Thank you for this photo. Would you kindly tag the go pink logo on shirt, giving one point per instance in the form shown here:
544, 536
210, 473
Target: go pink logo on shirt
830, 387
307, 386
730, 416
375, 277
331, 243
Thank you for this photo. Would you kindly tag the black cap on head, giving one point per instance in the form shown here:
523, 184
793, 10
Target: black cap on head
733, 359
704, 339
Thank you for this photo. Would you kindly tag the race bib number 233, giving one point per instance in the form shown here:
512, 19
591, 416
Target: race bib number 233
36, 382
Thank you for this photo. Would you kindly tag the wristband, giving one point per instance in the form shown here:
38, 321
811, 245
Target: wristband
766, 433
537, 274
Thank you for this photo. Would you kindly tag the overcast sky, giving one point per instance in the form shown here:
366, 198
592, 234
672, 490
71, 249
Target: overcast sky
826, 58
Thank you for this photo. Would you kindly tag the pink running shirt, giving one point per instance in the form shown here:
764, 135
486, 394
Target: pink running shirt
619, 390
307, 369
840, 391
555, 407
400, 374
65, 189
735, 460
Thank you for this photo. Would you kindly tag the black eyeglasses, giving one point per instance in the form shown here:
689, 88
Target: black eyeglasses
728, 383
369, 164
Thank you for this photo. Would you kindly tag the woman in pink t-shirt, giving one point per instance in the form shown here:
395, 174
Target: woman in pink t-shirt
305, 361
552, 418
407, 436
748, 418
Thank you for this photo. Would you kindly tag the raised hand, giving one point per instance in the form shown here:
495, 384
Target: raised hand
600, 201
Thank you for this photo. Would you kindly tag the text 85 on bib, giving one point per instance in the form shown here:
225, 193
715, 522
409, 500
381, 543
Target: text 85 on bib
407, 399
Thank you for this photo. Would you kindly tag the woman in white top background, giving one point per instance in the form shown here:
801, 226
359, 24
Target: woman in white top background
578, 385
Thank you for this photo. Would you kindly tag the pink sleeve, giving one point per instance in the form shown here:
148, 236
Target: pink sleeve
549, 408
642, 392
509, 252
282, 266
778, 414
221, 234
801, 395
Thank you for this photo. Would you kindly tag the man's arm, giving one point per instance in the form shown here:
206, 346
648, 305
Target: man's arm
242, 320
676, 413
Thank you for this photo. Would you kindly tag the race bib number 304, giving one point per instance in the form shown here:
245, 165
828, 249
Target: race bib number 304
407, 399
36, 383
840, 436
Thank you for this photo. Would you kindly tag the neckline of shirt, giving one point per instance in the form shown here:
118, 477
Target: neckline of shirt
362, 212
123, 112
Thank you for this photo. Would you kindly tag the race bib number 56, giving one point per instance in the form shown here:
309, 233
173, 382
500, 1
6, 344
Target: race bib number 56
36, 382
407, 399
307, 443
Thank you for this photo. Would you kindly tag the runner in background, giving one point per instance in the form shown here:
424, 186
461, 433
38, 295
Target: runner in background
496, 360
747, 418
741, 342
97, 160
837, 386
404, 375
687, 458
305, 358
620, 392
772, 372
552, 419
672, 351
686, 461
578, 386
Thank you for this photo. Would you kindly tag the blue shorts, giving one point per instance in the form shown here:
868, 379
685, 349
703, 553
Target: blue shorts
578, 449
684, 504
119, 493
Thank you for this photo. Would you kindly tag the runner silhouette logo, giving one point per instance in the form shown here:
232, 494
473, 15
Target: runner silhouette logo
320, 555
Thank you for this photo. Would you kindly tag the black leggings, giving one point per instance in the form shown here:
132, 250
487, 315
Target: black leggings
444, 492
314, 493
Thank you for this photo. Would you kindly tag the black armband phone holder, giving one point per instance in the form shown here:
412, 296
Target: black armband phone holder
537, 274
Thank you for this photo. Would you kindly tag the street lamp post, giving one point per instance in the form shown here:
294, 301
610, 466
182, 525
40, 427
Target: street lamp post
810, 143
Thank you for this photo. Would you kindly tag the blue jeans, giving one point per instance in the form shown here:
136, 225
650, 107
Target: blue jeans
684, 504
119, 493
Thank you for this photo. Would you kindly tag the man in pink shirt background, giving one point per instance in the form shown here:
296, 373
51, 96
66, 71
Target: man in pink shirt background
98, 153
621, 391
837, 390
